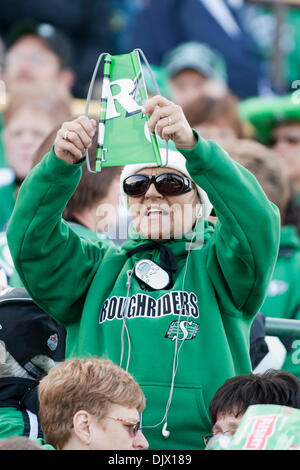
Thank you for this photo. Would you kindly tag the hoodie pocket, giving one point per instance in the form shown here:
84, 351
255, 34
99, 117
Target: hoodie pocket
187, 418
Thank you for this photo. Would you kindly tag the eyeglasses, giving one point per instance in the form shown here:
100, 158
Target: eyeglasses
133, 428
207, 438
167, 184
36, 59
289, 139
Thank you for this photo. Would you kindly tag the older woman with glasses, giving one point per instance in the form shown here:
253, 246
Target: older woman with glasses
175, 304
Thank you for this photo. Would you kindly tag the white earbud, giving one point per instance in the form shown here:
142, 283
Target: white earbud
199, 212
165, 431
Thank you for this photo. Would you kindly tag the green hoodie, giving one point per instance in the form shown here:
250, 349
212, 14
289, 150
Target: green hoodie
283, 294
220, 288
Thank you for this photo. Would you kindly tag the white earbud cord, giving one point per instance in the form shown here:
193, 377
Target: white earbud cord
124, 326
176, 355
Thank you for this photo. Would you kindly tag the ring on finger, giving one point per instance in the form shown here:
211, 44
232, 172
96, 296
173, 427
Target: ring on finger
65, 137
169, 121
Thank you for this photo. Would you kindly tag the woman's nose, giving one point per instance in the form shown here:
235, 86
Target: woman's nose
140, 441
152, 191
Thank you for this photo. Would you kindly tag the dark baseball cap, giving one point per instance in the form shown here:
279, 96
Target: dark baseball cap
198, 56
57, 41
28, 331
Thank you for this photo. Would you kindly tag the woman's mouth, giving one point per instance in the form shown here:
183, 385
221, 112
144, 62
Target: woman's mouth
155, 212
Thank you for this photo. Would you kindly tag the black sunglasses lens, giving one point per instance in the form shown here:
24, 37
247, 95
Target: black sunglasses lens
169, 184
136, 185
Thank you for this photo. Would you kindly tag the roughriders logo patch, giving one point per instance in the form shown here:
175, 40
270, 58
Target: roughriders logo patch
52, 342
143, 305
182, 330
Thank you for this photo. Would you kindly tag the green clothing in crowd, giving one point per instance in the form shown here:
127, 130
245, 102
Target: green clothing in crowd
43, 444
208, 311
283, 295
8, 199
6, 261
18, 410
7, 186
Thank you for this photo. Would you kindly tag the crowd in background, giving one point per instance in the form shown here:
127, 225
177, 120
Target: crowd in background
220, 62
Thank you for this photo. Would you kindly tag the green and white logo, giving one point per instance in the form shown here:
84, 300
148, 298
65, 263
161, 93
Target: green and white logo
182, 330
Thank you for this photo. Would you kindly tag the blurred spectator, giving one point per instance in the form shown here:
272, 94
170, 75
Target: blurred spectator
19, 443
161, 80
232, 399
31, 113
285, 140
276, 123
161, 26
85, 22
93, 211
215, 118
93, 208
37, 53
91, 404
191, 68
283, 295
30, 344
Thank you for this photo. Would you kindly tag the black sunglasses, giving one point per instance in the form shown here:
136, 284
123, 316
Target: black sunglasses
167, 184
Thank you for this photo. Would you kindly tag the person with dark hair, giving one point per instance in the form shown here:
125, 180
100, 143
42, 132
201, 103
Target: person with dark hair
31, 342
232, 399
92, 211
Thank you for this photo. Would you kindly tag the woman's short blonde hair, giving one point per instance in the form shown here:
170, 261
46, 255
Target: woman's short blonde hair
92, 384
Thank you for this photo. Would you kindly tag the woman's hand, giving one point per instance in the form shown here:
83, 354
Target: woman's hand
168, 121
73, 138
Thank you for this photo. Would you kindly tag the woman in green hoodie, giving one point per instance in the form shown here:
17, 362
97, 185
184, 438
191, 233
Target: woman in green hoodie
175, 304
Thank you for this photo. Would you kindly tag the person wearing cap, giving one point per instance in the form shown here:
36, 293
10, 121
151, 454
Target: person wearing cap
276, 123
37, 53
194, 69
31, 342
174, 304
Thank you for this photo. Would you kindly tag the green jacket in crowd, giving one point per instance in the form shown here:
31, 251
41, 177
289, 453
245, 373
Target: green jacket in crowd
7, 197
6, 262
220, 288
19, 408
7, 186
283, 295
